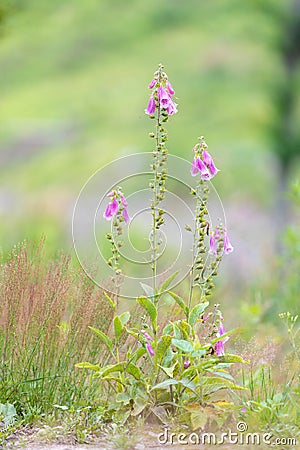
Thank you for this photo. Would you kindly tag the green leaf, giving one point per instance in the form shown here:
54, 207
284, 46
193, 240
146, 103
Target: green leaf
180, 302
228, 333
137, 354
167, 282
121, 397
105, 339
214, 384
122, 367
148, 290
150, 308
125, 317
111, 302
188, 384
87, 365
162, 347
133, 370
229, 358
196, 312
169, 370
165, 384
183, 345
118, 327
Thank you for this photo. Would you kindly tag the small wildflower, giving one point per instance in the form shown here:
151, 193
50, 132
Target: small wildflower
228, 248
117, 199
220, 349
209, 162
152, 84
199, 166
170, 88
125, 215
149, 349
147, 336
151, 106
212, 245
186, 364
111, 209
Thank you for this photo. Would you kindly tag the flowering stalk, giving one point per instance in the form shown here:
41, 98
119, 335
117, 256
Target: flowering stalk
161, 105
116, 211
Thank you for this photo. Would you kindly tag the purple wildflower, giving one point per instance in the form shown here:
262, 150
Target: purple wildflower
227, 245
220, 348
151, 106
111, 209
123, 200
125, 215
170, 88
163, 96
212, 245
147, 336
209, 162
199, 166
152, 84
149, 349
186, 364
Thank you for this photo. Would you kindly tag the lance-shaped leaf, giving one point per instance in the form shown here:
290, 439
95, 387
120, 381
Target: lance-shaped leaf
167, 282
180, 302
196, 312
105, 339
147, 304
183, 345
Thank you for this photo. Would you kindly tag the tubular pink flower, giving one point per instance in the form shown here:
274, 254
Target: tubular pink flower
147, 336
111, 194
123, 200
163, 96
172, 107
199, 166
152, 84
220, 348
111, 209
170, 88
228, 248
107, 213
204, 173
125, 215
194, 168
151, 106
212, 245
186, 364
209, 162
149, 349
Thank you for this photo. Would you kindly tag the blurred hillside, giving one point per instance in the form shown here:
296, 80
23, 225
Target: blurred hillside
73, 86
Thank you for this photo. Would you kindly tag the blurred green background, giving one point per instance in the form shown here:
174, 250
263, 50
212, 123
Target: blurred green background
73, 89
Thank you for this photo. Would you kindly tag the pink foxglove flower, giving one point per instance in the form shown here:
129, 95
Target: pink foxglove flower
213, 245
209, 162
170, 88
152, 84
111, 209
147, 336
163, 96
198, 166
149, 349
123, 200
228, 248
220, 348
151, 106
186, 364
125, 215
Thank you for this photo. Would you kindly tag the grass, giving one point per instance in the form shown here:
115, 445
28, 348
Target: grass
45, 313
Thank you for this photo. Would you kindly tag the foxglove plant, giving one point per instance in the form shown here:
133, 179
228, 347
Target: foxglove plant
185, 361
116, 211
